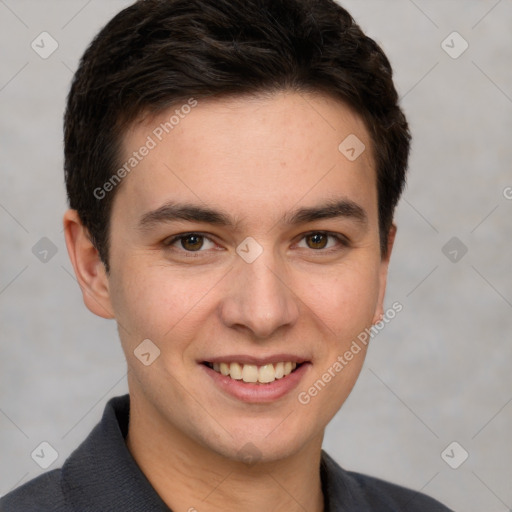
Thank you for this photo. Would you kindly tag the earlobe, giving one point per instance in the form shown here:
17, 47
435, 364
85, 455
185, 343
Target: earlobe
89, 269
379, 310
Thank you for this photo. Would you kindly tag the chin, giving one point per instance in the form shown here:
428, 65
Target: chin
251, 446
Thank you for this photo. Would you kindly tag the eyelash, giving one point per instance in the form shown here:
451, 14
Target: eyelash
342, 240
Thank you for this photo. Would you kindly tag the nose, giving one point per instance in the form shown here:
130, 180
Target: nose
258, 298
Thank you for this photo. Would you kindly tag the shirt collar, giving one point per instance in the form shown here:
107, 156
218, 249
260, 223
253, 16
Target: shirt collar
101, 474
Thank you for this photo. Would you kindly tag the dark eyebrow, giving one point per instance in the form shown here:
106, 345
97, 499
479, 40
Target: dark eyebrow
189, 212
193, 213
333, 209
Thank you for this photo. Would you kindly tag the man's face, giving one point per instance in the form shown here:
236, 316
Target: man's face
267, 274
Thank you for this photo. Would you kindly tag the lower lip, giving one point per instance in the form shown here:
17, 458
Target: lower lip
258, 393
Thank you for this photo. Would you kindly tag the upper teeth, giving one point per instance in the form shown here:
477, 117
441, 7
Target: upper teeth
252, 373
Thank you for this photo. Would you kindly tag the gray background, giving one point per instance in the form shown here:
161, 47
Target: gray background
439, 372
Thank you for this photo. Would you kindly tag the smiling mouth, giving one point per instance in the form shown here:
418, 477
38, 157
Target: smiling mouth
252, 373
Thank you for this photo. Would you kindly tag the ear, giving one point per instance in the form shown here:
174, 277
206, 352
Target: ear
89, 269
383, 275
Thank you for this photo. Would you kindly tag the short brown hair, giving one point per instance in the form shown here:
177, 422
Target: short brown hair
157, 53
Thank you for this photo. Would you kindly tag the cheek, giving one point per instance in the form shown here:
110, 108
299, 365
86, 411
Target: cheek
156, 302
144, 304
344, 304
346, 298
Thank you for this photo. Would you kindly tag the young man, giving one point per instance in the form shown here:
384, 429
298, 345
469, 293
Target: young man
232, 169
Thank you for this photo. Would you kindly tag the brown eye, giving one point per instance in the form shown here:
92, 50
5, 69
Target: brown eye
317, 240
192, 242
189, 242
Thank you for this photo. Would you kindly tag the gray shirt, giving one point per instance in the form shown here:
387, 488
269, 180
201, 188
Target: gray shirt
102, 476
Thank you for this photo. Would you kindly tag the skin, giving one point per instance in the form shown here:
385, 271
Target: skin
256, 159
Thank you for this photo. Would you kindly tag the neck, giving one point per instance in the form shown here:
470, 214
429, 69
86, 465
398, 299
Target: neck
190, 477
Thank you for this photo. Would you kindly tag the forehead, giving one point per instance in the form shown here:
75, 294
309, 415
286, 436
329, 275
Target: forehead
243, 153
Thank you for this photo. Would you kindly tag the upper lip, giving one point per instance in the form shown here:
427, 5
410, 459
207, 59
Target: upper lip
258, 361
